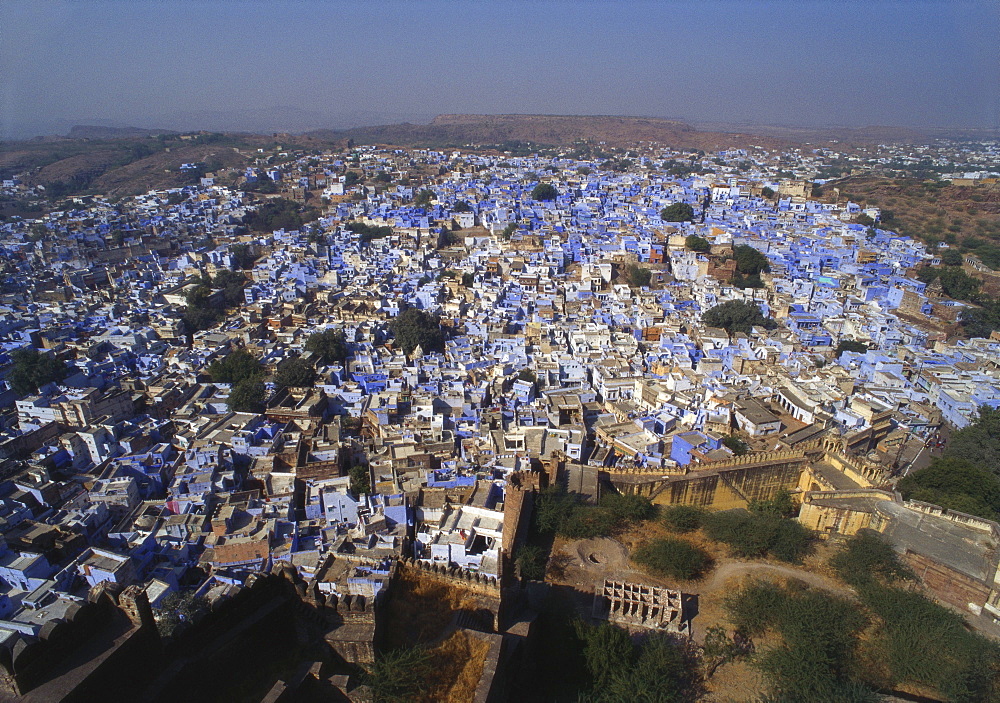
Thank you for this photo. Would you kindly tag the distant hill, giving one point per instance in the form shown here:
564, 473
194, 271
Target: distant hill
99, 132
548, 130
122, 160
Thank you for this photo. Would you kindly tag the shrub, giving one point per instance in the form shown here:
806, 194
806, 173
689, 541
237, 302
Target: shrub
867, 558
672, 557
399, 676
925, 643
587, 522
682, 518
627, 508
561, 512
758, 534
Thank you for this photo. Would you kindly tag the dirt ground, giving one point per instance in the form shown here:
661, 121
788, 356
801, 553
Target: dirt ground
584, 564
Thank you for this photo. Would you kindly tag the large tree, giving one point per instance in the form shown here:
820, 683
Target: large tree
330, 346
737, 316
678, 212
850, 345
979, 443
696, 243
232, 284
750, 261
294, 372
956, 484
32, 370
544, 191
236, 367
415, 328
247, 396
638, 276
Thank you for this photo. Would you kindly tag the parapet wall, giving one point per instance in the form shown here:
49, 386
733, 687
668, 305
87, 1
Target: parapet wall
463, 578
971, 521
124, 619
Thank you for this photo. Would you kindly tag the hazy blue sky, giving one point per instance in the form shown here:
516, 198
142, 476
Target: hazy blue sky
297, 65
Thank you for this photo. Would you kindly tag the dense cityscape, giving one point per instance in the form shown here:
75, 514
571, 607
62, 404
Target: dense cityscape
387, 406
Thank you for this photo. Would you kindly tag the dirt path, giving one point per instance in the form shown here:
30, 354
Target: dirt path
728, 570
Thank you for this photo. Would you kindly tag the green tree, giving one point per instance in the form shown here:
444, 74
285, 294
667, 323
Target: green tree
661, 673
369, 232
243, 255
682, 518
756, 534
361, 482
509, 230
530, 562
767, 192
294, 372
399, 676
813, 656
424, 198
737, 316
955, 282
413, 328
638, 276
678, 212
672, 557
627, 508
955, 483
866, 558
849, 345
979, 442
951, 257
736, 445
32, 370
468, 279
280, 213
200, 313
178, 611
696, 243
247, 396
232, 284
607, 651
544, 191
750, 261
781, 505
461, 206
236, 367
330, 346
553, 506
982, 321
923, 643
351, 179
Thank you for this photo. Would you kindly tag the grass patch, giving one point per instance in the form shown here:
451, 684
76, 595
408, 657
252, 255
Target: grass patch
456, 665
420, 609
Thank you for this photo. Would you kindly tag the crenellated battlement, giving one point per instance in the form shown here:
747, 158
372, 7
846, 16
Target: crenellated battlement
465, 578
